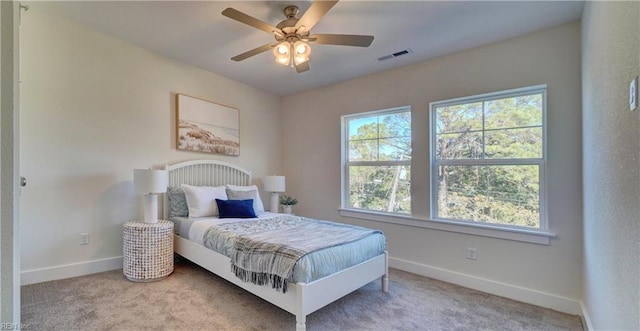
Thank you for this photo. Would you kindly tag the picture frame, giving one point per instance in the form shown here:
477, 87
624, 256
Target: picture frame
206, 126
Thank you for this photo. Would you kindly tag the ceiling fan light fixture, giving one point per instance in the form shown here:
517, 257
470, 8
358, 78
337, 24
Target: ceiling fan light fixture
293, 34
282, 52
301, 52
283, 48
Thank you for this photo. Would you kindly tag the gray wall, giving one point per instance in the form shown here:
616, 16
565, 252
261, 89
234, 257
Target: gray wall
611, 164
311, 156
93, 109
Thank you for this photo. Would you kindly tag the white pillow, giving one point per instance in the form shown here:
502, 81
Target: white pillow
258, 207
201, 200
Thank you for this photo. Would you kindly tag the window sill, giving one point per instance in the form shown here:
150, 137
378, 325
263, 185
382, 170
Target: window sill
484, 230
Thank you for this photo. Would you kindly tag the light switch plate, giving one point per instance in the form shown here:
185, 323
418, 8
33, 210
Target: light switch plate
633, 94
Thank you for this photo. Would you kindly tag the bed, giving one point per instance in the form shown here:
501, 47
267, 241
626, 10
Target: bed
301, 298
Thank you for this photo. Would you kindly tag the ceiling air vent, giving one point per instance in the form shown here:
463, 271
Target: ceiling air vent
396, 54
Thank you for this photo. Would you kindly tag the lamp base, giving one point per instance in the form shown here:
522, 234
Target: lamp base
150, 208
275, 198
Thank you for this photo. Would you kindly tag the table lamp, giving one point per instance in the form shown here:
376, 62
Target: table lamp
149, 182
275, 185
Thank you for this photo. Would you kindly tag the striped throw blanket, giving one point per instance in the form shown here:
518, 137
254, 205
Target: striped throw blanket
269, 257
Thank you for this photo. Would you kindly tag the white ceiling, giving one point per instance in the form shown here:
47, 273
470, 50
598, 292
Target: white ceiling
196, 33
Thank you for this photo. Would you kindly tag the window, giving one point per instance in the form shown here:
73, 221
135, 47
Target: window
488, 157
377, 161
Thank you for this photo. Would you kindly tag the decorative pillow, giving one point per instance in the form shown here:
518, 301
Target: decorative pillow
201, 199
236, 208
177, 202
240, 195
258, 207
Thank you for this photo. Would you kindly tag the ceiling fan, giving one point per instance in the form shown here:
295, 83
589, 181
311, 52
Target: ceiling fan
293, 35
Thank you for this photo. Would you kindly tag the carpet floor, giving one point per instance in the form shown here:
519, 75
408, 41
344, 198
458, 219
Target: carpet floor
195, 299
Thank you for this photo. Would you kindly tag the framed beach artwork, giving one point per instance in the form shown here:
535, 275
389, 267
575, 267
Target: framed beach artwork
205, 126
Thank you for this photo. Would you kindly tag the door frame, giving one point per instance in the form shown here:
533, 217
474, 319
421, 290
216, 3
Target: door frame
9, 164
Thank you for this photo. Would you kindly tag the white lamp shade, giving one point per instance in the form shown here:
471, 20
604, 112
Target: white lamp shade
148, 181
274, 184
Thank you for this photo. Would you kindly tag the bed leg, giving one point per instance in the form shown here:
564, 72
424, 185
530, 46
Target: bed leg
385, 283
385, 277
301, 323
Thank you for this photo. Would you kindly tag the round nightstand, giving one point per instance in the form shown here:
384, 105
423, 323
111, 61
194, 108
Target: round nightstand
147, 250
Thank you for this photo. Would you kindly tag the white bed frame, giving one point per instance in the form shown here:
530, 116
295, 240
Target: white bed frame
301, 299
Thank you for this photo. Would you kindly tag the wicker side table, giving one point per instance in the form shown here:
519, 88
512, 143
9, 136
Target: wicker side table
147, 250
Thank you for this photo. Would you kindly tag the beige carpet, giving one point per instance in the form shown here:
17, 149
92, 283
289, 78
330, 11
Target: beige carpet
194, 299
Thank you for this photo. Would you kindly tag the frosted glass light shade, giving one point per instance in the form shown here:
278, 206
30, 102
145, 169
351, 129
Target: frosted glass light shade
274, 183
302, 51
149, 181
283, 53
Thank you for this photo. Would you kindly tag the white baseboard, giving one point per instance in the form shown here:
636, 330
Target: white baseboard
70, 270
534, 297
586, 320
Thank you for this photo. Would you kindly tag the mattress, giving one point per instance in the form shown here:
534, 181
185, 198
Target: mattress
312, 266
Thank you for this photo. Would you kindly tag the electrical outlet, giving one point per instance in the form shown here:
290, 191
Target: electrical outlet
633, 94
472, 253
84, 239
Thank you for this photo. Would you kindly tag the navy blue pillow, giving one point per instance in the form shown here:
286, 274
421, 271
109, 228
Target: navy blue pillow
236, 208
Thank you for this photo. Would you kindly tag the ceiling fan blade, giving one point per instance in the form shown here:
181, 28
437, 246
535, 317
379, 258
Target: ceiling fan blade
249, 20
302, 67
314, 14
342, 39
253, 52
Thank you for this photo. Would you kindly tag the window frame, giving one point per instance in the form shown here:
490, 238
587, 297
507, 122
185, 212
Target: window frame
434, 163
346, 164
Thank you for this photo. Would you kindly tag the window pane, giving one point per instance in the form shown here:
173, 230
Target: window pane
513, 144
380, 188
514, 112
395, 149
383, 137
507, 195
453, 146
363, 128
363, 150
459, 118
395, 125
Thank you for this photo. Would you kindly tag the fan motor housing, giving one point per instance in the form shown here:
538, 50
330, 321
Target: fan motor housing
291, 11
288, 26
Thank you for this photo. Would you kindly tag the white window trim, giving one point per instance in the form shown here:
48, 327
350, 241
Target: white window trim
498, 231
344, 150
472, 228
